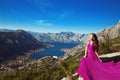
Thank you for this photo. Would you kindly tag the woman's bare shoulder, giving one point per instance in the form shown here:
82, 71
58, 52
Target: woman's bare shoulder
88, 42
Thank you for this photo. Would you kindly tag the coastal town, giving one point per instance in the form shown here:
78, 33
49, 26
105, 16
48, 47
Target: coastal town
23, 62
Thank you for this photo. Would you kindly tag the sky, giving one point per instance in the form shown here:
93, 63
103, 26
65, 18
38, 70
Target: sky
79, 16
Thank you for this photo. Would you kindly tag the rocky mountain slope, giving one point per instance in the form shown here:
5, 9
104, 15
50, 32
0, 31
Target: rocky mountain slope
112, 32
65, 37
70, 37
17, 43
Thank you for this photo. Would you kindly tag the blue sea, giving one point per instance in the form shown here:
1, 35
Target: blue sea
53, 51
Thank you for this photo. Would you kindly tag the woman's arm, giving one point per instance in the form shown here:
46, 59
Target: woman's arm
86, 50
96, 53
98, 56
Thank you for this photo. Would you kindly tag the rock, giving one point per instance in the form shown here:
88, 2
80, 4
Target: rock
80, 78
110, 54
110, 57
65, 78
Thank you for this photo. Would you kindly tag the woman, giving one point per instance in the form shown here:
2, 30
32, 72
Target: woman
92, 68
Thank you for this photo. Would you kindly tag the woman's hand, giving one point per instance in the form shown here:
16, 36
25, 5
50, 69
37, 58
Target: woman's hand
84, 56
100, 60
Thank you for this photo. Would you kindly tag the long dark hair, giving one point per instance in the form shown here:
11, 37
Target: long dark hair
95, 41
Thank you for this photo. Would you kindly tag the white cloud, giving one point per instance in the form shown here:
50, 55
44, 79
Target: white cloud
44, 23
40, 21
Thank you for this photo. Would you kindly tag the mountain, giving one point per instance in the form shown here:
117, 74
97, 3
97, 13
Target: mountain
64, 37
70, 37
112, 32
17, 43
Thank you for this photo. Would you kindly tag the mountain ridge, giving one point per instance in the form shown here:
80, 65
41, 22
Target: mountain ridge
112, 32
70, 37
17, 43
62, 37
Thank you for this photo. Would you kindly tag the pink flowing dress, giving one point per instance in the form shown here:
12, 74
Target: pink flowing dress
91, 68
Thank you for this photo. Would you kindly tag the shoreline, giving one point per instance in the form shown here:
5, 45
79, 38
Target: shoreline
23, 60
19, 61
